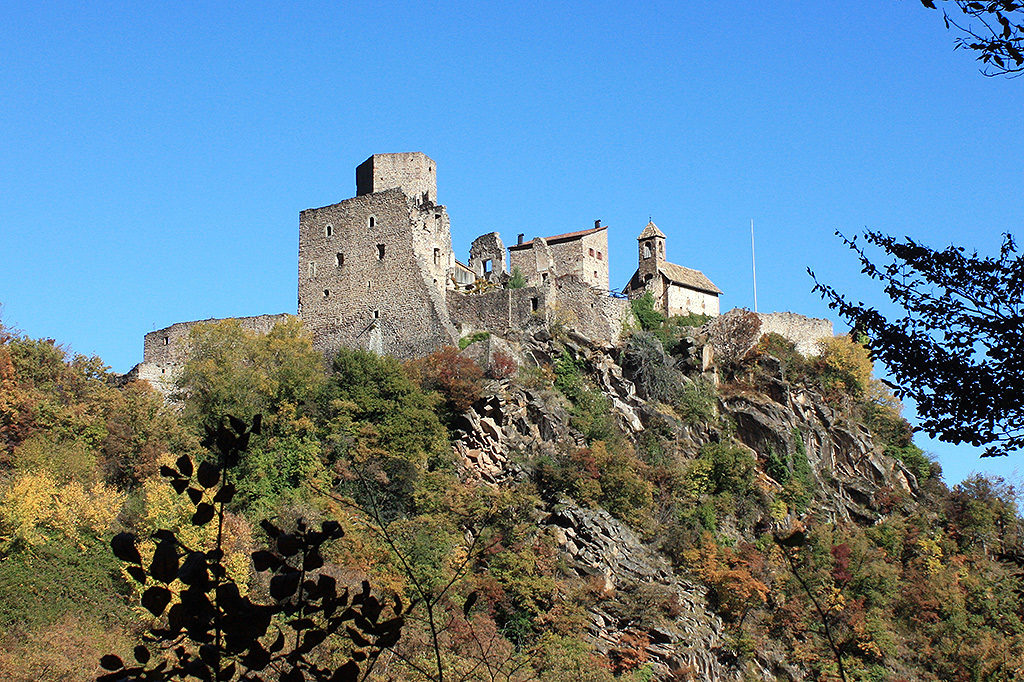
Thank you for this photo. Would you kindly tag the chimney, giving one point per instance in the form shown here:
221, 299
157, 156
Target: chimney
597, 223
519, 239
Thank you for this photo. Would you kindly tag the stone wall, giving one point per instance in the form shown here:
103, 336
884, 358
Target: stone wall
165, 350
803, 331
372, 274
589, 312
499, 310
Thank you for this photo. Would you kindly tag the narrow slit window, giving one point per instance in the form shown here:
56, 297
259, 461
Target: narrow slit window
312, 269
600, 256
591, 252
327, 293
340, 258
376, 314
167, 340
380, 252
534, 304
329, 230
373, 221
437, 256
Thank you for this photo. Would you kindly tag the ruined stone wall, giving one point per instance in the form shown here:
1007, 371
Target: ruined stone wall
803, 331
164, 351
500, 310
484, 248
592, 314
372, 272
681, 301
537, 263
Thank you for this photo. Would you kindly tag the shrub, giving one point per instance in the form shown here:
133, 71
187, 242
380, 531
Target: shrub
503, 366
645, 358
696, 401
646, 315
844, 364
518, 280
465, 341
457, 378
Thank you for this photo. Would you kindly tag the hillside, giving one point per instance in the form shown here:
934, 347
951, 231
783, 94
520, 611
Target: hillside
697, 503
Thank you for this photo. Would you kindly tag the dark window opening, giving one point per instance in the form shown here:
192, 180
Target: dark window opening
341, 259
376, 314
648, 277
487, 267
544, 276
329, 230
372, 221
595, 273
534, 304
380, 251
327, 293
167, 340
591, 252
599, 256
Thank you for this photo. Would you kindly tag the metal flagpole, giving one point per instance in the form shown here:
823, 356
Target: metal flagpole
753, 262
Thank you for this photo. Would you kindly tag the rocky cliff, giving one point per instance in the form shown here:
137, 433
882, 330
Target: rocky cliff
754, 409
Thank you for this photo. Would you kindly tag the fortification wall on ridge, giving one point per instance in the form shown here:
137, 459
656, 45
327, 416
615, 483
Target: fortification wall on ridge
499, 310
803, 331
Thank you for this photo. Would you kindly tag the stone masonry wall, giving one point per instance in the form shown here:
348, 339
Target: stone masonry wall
590, 312
377, 281
165, 350
499, 310
803, 331
414, 172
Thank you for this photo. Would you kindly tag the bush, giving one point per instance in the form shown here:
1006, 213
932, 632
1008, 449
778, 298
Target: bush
503, 366
646, 315
457, 378
696, 401
465, 341
645, 358
518, 280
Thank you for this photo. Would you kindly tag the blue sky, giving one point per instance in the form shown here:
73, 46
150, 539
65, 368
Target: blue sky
155, 156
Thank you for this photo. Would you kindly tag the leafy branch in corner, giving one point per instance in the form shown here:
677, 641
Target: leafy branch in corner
959, 350
204, 629
993, 28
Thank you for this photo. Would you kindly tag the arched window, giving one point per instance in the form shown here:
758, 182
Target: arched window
372, 221
647, 250
329, 230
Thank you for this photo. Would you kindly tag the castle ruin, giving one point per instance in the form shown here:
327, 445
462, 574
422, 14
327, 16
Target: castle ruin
377, 271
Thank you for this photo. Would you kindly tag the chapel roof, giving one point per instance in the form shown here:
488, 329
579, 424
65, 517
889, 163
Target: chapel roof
694, 279
651, 231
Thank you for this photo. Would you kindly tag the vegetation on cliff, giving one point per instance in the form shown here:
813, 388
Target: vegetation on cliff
788, 503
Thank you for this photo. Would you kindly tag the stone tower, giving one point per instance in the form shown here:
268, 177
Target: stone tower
651, 244
373, 269
412, 172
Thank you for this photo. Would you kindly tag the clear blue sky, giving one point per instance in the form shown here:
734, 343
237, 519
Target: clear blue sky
155, 156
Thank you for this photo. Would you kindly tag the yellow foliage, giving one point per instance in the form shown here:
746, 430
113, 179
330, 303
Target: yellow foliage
931, 552
36, 505
846, 361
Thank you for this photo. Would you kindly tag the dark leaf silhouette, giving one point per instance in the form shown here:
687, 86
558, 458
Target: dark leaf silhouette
156, 599
208, 475
123, 546
111, 662
204, 514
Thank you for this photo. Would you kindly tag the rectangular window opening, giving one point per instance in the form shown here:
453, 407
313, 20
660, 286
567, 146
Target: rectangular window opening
591, 252
167, 340
534, 304
380, 252
487, 266
341, 259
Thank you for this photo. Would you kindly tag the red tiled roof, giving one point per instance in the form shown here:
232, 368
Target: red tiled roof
561, 237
